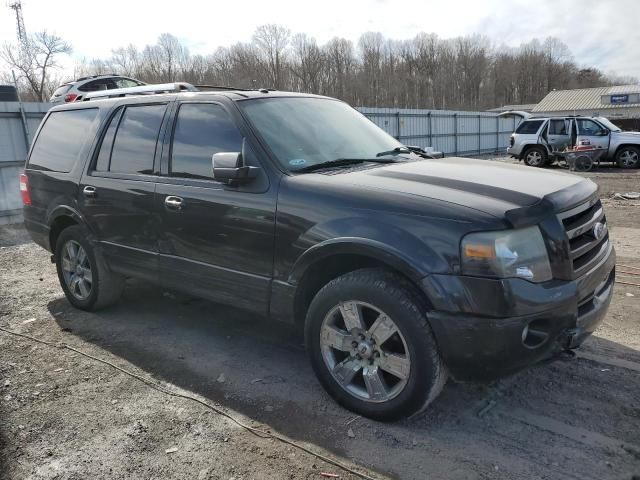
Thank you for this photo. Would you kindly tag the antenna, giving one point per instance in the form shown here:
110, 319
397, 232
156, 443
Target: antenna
22, 32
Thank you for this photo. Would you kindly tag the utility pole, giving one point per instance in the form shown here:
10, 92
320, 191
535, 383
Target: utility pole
16, 5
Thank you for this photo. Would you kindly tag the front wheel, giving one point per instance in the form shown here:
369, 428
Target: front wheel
371, 346
628, 157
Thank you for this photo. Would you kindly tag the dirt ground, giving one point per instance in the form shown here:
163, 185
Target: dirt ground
65, 416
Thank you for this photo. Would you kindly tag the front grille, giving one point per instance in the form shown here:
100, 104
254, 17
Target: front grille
581, 224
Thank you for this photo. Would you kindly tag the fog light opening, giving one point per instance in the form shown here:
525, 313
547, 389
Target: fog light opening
535, 333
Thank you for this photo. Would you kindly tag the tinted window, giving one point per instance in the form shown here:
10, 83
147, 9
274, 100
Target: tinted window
589, 127
104, 155
96, 85
61, 139
529, 127
559, 127
61, 90
135, 143
125, 83
202, 129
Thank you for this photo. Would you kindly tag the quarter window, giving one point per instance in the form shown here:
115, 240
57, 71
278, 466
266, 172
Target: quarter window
529, 127
201, 130
61, 139
135, 139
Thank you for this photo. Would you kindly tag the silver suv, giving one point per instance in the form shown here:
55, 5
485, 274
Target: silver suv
76, 90
539, 140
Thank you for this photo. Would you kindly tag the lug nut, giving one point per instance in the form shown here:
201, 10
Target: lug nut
354, 344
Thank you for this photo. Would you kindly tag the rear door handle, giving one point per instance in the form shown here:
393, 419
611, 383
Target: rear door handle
173, 203
89, 191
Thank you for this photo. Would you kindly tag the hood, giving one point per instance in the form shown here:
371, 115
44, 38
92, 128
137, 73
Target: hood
496, 188
633, 136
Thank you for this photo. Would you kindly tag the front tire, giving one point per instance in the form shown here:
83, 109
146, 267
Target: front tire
535, 157
84, 276
371, 346
628, 157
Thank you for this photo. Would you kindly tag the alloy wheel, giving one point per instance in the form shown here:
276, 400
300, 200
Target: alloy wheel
628, 158
76, 270
365, 351
534, 158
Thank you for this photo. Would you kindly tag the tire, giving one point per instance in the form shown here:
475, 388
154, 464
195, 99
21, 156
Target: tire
535, 157
101, 286
376, 296
628, 157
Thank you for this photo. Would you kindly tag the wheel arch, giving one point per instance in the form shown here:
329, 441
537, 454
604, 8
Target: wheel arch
60, 218
529, 146
331, 259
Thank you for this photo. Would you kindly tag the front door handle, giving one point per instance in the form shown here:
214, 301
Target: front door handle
89, 191
173, 203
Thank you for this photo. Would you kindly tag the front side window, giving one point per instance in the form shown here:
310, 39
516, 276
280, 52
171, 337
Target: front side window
125, 83
590, 128
135, 140
61, 139
201, 130
306, 131
529, 127
97, 85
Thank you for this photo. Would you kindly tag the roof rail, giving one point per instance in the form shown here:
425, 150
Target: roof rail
142, 90
221, 87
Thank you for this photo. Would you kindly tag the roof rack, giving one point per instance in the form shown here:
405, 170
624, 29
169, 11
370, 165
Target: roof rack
142, 90
221, 87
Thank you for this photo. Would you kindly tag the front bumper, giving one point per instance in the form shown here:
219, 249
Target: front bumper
487, 328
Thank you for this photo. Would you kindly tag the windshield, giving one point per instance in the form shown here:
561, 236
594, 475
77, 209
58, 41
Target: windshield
607, 123
307, 131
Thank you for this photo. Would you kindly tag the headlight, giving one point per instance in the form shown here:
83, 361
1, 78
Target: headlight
508, 253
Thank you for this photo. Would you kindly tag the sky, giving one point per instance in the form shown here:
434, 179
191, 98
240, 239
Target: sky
600, 33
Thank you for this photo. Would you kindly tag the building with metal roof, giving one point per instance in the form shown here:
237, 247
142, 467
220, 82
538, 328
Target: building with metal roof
527, 107
617, 102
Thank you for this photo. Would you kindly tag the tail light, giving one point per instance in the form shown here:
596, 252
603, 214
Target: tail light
24, 190
70, 97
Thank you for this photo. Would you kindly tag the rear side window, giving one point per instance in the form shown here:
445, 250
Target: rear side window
97, 85
559, 127
201, 130
61, 139
529, 127
135, 140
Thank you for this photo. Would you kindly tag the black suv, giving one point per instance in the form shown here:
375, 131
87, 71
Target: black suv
402, 269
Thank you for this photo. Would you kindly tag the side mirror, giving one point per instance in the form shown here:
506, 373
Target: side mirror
229, 167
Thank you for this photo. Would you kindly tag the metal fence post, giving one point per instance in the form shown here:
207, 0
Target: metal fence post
497, 134
25, 128
455, 134
479, 134
398, 125
430, 128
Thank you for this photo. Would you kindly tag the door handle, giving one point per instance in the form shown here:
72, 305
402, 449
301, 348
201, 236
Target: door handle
89, 191
173, 203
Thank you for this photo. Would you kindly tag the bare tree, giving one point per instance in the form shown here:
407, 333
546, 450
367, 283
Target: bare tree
272, 40
34, 61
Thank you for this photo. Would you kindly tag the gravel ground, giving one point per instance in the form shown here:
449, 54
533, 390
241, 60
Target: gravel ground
65, 416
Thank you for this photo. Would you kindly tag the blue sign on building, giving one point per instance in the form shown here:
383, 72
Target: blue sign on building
619, 98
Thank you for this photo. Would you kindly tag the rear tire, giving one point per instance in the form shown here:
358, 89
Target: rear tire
535, 157
628, 157
84, 276
371, 346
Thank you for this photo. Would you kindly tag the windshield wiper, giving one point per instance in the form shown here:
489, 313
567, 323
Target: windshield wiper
341, 162
395, 151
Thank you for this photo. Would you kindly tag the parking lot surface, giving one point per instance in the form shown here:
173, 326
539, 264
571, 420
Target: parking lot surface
66, 416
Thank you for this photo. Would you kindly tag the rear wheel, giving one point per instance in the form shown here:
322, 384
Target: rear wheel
85, 279
371, 346
535, 157
628, 157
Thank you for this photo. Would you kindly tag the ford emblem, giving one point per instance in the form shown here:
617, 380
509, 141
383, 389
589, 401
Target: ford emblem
598, 230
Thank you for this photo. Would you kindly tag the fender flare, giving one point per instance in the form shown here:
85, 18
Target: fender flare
354, 246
